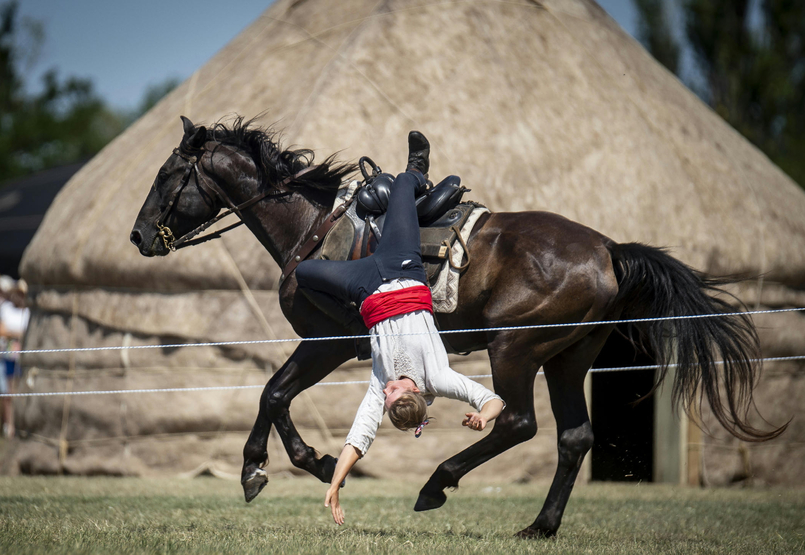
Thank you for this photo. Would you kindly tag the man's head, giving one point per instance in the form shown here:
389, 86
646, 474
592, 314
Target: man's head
408, 411
405, 404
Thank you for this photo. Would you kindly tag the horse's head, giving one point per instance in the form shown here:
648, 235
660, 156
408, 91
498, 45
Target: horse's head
244, 170
181, 198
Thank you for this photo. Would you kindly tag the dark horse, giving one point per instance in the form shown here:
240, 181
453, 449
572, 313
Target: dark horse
527, 268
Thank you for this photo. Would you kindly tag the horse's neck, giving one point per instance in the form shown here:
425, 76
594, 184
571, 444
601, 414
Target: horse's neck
283, 227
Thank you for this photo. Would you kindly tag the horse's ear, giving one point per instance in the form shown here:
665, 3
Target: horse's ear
197, 139
187, 125
194, 137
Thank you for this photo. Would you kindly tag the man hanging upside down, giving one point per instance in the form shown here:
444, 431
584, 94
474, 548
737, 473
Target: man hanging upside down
409, 361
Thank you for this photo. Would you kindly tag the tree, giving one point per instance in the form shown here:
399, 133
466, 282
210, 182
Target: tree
65, 123
655, 33
752, 65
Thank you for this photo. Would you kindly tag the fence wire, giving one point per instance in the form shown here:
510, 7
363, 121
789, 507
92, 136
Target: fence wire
441, 332
351, 382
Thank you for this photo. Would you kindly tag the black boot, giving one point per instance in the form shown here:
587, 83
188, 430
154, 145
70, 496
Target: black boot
418, 153
344, 315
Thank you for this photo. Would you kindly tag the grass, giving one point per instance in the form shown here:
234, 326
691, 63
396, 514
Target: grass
205, 515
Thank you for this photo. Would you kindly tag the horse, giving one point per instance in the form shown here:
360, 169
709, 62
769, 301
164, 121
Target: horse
528, 268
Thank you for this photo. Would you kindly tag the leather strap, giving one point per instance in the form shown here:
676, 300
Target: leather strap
185, 240
314, 240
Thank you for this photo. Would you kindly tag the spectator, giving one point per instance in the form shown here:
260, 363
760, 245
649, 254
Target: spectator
13, 322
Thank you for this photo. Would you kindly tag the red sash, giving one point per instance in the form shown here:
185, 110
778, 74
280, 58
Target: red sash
381, 306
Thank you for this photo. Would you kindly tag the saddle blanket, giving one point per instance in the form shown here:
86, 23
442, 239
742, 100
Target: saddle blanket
444, 288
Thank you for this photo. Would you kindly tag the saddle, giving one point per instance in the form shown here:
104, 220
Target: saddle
441, 216
354, 227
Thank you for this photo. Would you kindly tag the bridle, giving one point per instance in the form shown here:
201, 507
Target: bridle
211, 188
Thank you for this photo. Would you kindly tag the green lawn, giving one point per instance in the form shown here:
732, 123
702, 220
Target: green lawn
206, 515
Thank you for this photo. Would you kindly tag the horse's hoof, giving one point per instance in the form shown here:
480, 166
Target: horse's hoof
254, 484
535, 534
428, 501
327, 464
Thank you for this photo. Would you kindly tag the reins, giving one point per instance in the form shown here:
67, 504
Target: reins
212, 189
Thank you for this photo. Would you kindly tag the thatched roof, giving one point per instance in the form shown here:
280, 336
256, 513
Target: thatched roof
537, 105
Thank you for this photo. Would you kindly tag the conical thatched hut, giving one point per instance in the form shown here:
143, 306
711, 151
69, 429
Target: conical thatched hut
536, 104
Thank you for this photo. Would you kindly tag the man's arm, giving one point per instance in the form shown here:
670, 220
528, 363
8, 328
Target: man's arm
349, 456
359, 439
446, 382
368, 417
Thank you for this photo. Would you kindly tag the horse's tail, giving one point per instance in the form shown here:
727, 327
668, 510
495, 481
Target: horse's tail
715, 356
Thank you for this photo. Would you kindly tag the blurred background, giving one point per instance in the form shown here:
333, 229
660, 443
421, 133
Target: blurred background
572, 106
75, 75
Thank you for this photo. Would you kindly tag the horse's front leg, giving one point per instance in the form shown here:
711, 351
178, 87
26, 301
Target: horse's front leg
309, 364
513, 369
516, 424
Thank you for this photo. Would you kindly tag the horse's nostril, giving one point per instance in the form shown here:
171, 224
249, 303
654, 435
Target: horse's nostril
136, 238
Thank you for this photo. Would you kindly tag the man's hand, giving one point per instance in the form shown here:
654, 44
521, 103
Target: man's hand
474, 421
349, 456
477, 420
331, 500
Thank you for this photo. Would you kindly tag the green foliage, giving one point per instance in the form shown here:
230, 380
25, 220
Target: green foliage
654, 31
753, 72
66, 122
205, 515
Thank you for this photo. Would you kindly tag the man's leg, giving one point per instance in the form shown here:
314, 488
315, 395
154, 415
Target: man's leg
401, 228
402, 221
331, 285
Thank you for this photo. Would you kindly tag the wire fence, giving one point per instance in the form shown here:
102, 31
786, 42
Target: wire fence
322, 384
441, 332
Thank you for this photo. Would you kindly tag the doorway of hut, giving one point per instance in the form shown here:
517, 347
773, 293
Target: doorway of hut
623, 450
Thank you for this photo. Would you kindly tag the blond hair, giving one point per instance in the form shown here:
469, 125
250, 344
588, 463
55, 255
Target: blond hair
408, 411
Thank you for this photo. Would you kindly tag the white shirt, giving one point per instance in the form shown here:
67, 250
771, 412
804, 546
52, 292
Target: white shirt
14, 319
421, 357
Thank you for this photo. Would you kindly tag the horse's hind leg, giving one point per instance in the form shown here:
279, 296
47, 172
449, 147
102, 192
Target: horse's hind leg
565, 374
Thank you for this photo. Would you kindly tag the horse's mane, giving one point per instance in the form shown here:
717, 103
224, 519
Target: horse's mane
276, 163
